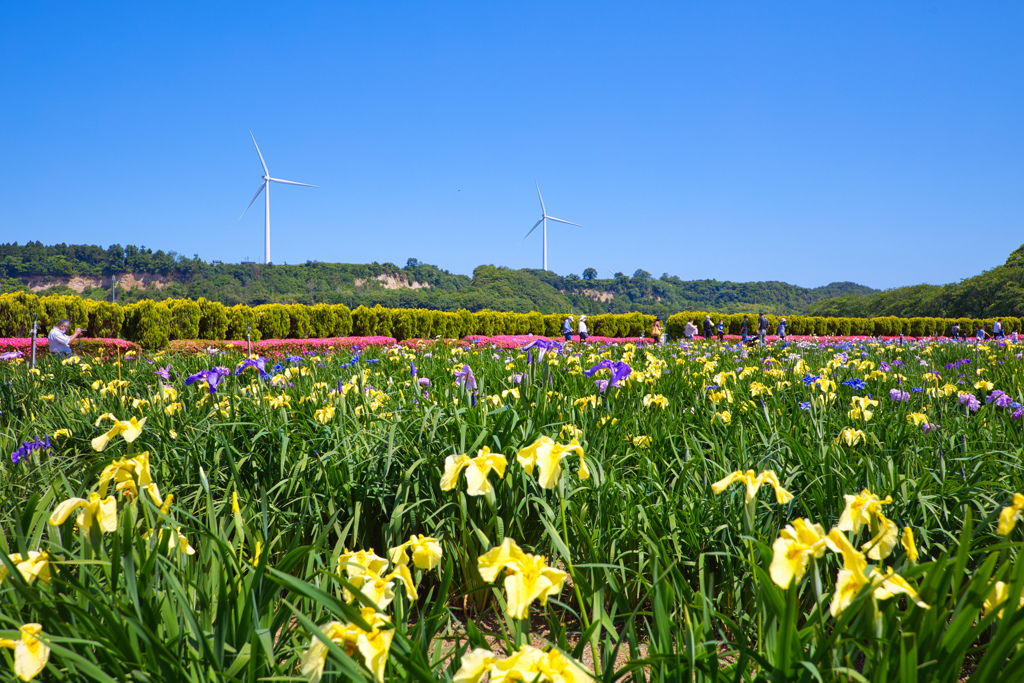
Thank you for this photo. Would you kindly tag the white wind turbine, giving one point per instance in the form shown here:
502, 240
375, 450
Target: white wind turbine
544, 218
265, 186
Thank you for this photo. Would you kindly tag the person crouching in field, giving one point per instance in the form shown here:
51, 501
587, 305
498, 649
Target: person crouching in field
60, 342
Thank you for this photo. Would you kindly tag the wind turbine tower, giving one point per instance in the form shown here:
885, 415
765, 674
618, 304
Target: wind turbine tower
544, 218
265, 188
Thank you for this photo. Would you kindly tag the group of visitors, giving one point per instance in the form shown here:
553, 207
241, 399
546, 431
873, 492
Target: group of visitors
980, 333
582, 330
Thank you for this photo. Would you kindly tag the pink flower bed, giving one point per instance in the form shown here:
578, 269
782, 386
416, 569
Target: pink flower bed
826, 339
272, 348
89, 345
518, 341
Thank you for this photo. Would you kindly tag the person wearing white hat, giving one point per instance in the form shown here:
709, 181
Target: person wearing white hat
584, 332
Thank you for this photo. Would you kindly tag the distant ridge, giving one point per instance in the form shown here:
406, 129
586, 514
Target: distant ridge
992, 293
87, 271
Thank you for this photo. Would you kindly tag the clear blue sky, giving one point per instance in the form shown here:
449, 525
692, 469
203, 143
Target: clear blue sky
807, 142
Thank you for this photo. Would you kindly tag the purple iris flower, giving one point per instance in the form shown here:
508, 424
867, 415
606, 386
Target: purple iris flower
211, 377
884, 367
27, 447
970, 401
10, 355
619, 370
259, 363
464, 377
1000, 398
543, 346
423, 382
518, 379
412, 367
601, 384
897, 395
164, 373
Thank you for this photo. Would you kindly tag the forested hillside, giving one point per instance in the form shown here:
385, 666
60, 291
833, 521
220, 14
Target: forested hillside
995, 292
141, 273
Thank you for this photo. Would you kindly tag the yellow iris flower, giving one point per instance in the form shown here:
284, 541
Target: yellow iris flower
36, 566
725, 417
1000, 593
753, 483
908, 544
356, 562
129, 429
983, 385
851, 436
176, 539
525, 664
94, 510
866, 508
324, 415
856, 576
547, 455
426, 552
655, 400
793, 549
373, 645
860, 409
129, 474
477, 470
1010, 514
527, 577
30, 652
917, 419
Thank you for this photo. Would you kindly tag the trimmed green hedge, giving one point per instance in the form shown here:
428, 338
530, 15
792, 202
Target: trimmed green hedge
890, 326
152, 324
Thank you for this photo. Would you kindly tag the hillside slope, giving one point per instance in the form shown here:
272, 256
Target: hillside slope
89, 271
995, 292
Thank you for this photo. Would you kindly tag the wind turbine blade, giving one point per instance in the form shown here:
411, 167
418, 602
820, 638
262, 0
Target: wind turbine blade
610, 271
531, 230
262, 185
542, 209
552, 218
291, 182
265, 171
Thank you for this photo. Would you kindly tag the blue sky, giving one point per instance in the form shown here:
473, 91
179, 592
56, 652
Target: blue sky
806, 142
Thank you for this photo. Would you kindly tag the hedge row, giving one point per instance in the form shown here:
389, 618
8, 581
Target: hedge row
890, 326
152, 324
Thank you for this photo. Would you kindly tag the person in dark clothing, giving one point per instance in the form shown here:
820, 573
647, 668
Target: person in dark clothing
954, 332
762, 328
744, 329
707, 327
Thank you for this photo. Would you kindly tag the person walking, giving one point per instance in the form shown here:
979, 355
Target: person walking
567, 328
707, 327
744, 329
60, 342
656, 330
980, 334
997, 329
782, 329
954, 332
584, 331
721, 329
762, 328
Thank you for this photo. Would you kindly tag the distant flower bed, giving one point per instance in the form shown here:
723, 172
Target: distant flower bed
515, 341
93, 346
273, 348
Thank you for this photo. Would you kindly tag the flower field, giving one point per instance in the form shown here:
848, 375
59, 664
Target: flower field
512, 509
